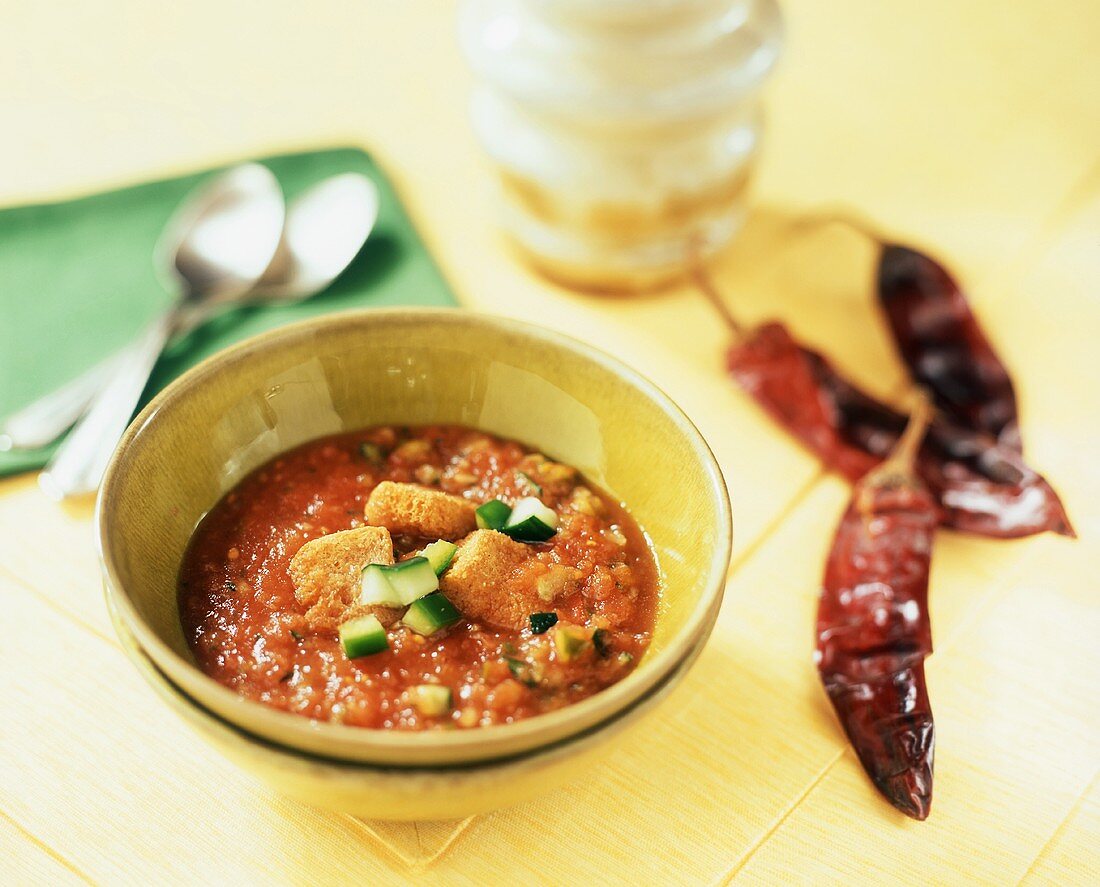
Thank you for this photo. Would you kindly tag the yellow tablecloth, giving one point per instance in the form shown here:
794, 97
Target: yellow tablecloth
970, 128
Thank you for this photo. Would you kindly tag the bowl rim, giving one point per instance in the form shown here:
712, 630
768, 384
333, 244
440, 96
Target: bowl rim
407, 747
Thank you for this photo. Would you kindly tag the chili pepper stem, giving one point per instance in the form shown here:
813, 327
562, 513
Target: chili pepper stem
699, 276
905, 450
898, 469
846, 218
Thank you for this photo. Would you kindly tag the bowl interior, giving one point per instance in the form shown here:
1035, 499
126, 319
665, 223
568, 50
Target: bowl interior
226, 417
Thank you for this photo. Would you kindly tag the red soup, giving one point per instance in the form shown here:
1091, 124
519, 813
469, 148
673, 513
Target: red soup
416, 578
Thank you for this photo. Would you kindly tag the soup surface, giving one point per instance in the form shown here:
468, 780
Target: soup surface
275, 605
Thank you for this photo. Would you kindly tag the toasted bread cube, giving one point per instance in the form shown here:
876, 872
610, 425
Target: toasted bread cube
406, 509
486, 583
327, 575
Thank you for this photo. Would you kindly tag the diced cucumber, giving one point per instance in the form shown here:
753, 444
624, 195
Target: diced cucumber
433, 700
542, 622
493, 515
371, 452
523, 671
570, 641
530, 506
397, 585
377, 590
412, 579
531, 521
363, 637
429, 614
439, 555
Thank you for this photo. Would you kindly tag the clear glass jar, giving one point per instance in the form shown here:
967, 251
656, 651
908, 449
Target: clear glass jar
623, 131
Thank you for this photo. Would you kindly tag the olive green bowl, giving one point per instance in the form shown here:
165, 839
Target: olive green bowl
401, 793
244, 406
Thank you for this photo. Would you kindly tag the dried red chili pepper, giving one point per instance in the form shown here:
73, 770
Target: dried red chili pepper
781, 375
942, 344
982, 485
873, 631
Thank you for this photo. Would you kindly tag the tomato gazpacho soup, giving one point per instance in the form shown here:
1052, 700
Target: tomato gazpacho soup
416, 578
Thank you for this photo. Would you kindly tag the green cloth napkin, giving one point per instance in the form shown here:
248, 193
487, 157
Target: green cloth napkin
77, 280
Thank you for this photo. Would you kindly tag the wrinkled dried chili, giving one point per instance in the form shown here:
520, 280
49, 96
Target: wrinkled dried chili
873, 631
982, 485
943, 345
781, 376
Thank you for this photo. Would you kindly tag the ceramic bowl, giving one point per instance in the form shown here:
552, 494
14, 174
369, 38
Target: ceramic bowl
244, 406
399, 793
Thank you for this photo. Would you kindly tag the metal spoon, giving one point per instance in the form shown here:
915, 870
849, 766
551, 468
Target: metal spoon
217, 246
325, 228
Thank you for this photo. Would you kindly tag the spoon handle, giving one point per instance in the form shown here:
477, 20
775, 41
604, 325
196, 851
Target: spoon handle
45, 419
78, 465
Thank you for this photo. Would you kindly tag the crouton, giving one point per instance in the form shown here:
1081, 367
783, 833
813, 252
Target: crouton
326, 573
482, 580
415, 511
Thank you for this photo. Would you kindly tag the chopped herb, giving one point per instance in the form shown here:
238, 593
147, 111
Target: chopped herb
296, 636
530, 482
542, 622
600, 640
287, 676
509, 647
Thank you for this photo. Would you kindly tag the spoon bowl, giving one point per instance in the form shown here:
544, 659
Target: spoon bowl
326, 226
216, 247
221, 241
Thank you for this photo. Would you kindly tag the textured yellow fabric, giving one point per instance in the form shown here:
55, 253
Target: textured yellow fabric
971, 128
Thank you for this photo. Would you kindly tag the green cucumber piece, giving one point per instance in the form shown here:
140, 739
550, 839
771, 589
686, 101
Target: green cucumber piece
570, 641
493, 515
542, 622
531, 521
363, 637
530, 530
412, 579
429, 614
433, 700
397, 585
439, 555
528, 507
377, 590
522, 670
